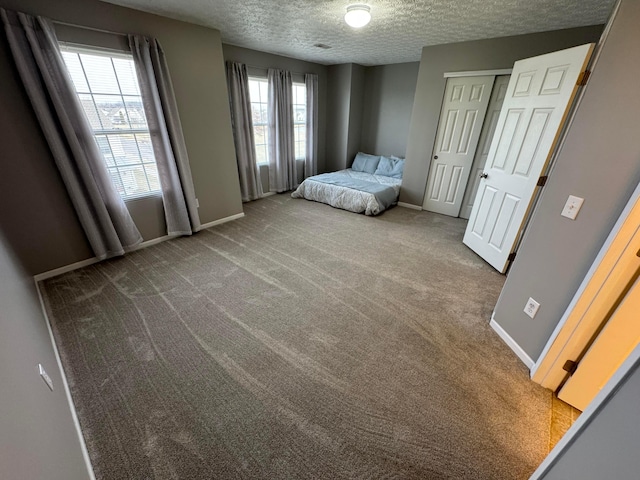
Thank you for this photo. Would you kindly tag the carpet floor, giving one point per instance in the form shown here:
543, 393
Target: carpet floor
299, 342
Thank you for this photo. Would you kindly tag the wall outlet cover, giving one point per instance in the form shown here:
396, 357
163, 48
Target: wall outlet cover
531, 308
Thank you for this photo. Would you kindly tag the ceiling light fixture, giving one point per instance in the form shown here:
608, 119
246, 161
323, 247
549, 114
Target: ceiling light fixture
358, 15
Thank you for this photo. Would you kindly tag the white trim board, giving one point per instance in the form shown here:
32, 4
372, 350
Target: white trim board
506, 338
65, 386
67, 268
409, 205
221, 221
90, 261
478, 73
154, 241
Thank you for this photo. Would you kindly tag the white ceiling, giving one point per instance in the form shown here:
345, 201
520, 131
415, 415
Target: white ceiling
398, 31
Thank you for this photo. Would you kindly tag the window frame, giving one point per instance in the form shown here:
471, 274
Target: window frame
302, 123
265, 125
117, 168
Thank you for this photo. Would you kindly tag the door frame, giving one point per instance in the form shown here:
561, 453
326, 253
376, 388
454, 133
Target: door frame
478, 73
431, 176
446, 76
619, 378
542, 370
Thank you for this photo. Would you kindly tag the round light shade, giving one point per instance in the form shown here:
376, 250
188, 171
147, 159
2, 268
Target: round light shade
357, 16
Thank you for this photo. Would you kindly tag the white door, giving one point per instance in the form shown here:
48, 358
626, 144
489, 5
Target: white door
463, 111
538, 98
482, 152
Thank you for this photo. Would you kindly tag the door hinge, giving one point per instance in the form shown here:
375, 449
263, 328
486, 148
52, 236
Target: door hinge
583, 78
511, 257
542, 181
570, 366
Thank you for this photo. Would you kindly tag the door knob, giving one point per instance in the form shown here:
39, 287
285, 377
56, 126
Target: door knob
435, 157
484, 175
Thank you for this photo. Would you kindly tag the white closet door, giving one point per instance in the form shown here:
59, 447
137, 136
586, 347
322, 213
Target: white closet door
539, 94
463, 111
482, 152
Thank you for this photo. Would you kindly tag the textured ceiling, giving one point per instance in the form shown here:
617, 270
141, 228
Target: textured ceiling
397, 32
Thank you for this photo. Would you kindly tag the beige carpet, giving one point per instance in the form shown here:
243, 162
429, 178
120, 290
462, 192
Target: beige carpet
298, 342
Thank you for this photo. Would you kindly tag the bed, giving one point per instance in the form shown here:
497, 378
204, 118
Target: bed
370, 186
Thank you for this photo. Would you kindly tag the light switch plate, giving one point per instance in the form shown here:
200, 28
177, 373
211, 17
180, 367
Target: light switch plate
531, 308
45, 376
572, 207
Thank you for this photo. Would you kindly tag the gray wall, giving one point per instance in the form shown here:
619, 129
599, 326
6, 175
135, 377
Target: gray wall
35, 212
600, 161
356, 105
38, 439
388, 100
344, 114
608, 447
495, 53
338, 108
260, 62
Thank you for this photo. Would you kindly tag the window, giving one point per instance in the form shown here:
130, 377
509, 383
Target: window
300, 119
107, 86
259, 94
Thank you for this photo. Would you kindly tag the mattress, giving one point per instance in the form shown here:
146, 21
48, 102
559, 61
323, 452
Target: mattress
358, 192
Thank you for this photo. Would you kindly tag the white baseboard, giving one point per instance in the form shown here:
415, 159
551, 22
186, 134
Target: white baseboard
517, 349
65, 386
67, 268
221, 221
268, 194
148, 243
90, 261
154, 241
409, 205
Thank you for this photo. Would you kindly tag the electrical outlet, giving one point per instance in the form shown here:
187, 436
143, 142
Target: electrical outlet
45, 376
531, 308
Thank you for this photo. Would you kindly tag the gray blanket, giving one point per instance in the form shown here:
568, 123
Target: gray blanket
385, 195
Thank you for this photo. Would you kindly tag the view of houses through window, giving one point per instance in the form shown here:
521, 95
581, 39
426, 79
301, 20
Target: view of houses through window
107, 87
300, 119
258, 93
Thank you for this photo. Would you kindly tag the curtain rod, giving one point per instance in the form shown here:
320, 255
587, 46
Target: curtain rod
84, 27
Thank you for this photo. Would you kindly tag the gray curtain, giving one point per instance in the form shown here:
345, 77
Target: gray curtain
240, 103
311, 157
102, 213
282, 163
178, 193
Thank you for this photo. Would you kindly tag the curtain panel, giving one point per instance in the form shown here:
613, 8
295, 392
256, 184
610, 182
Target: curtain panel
178, 193
311, 154
282, 163
101, 211
240, 104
